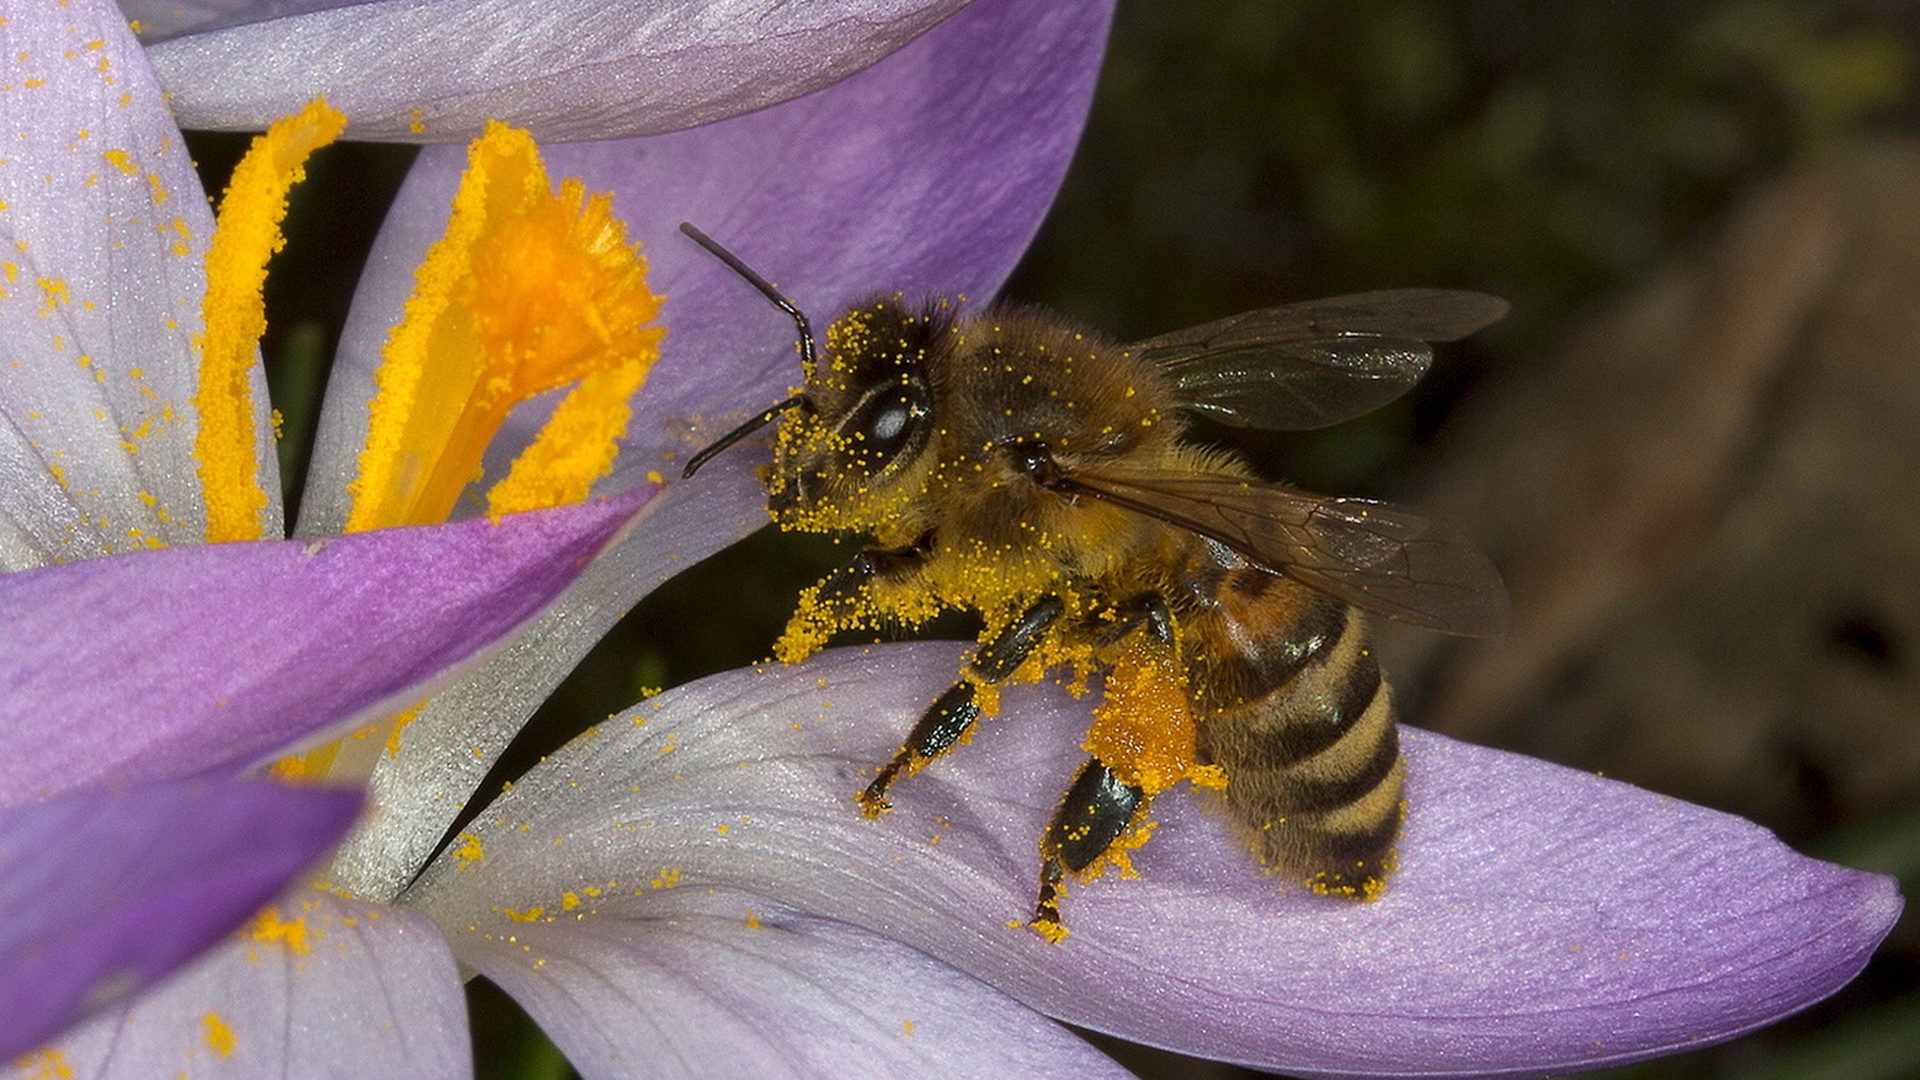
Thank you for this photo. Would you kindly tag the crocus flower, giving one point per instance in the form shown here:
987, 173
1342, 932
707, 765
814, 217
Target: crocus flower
687, 889
382, 978
137, 685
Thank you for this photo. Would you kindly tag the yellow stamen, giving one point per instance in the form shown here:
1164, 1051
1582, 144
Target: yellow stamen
233, 315
528, 292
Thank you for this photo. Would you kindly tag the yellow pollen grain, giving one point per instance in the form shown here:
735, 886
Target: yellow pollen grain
233, 316
1052, 929
532, 914
469, 852
529, 292
219, 1034
321, 761
46, 1063
268, 926
56, 294
121, 160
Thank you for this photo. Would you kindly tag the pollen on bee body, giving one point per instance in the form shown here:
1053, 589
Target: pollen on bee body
1144, 730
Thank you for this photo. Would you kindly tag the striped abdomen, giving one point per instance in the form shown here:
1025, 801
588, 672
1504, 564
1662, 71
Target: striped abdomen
1293, 709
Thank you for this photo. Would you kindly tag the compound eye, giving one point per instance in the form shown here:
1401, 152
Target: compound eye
888, 423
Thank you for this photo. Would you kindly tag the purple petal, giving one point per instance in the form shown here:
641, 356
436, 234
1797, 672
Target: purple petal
105, 892
106, 229
727, 985
438, 70
1542, 920
158, 20
935, 189
169, 663
919, 174
361, 991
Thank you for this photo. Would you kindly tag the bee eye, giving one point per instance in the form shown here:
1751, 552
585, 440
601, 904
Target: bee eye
888, 423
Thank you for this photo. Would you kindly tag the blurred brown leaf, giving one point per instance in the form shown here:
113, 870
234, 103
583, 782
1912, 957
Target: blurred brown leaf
1707, 505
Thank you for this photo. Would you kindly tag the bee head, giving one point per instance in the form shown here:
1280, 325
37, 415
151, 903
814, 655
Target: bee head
864, 414
864, 419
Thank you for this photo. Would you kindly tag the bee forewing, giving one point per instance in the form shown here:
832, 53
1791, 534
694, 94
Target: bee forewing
1308, 365
1298, 385
1375, 556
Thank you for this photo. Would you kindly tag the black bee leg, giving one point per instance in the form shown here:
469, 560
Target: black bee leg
1146, 613
1100, 806
1096, 810
946, 721
948, 718
844, 599
846, 585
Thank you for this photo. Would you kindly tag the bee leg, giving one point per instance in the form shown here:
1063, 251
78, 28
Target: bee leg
1096, 810
1100, 806
846, 585
1147, 613
952, 713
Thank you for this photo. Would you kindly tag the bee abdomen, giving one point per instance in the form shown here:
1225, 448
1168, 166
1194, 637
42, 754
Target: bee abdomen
1313, 760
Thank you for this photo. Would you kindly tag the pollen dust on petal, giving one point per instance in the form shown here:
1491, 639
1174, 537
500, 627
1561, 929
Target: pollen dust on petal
270, 927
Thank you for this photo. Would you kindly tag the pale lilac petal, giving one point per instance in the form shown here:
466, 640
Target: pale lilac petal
451, 742
1542, 919
106, 892
168, 663
368, 991
967, 167
727, 985
106, 229
438, 70
158, 20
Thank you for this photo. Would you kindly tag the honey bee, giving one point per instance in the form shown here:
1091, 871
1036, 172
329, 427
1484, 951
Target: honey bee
1013, 465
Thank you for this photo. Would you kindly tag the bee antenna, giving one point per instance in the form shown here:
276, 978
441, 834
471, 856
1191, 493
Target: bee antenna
766, 288
734, 436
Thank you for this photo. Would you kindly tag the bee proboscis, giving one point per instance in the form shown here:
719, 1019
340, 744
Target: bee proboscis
1011, 464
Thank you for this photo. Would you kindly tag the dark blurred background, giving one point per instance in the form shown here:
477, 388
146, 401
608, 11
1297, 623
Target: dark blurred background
1694, 447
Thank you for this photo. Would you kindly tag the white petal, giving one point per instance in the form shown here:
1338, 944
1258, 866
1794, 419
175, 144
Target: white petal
105, 227
370, 992
566, 69
724, 985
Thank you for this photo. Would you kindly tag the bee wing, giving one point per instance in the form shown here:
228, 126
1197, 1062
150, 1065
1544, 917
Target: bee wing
1309, 365
1372, 555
